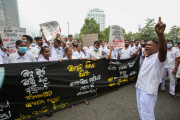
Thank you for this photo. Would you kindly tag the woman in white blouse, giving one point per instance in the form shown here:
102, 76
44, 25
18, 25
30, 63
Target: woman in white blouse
68, 52
45, 51
79, 53
21, 54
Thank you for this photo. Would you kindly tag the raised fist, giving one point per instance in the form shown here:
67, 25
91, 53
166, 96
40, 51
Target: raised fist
160, 27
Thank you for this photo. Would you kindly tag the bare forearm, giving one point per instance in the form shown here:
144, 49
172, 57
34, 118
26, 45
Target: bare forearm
162, 46
177, 62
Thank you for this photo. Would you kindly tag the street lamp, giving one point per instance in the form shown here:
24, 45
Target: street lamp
68, 28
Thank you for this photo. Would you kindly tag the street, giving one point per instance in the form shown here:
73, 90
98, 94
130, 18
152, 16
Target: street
119, 105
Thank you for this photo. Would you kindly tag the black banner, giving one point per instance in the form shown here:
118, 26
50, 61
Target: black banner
31, 90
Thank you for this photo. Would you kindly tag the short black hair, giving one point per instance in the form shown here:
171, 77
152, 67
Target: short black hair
136, 40
0, 41
29, 38
79, 40
37, 38
170, 40
155, 41
126, 40
178, 43
66, 49
43, 48
96, 42
70, 36
19, 42
102, 41
59, 42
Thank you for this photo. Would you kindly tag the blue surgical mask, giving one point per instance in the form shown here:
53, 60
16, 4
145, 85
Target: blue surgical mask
96, 49
32, 44
22, 49
169, 45
176, 47
136, 47
2, 46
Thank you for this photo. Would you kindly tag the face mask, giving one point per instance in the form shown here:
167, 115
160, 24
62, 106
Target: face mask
22, 49
175, 47
96, 49
169, 45
2, 46
136, 47
32, 44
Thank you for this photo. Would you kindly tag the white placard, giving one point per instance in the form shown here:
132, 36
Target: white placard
50, 29
9, 37
116, 38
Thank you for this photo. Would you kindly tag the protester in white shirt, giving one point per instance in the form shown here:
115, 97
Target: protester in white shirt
55, 47
79, 53
1, 60
150, 74
68, 52
171, 69
45, 51
136, 49
70, 39
31, 49
21, 55
111, 53
2, 53
103, 48
126, 52
86, 49
95, 53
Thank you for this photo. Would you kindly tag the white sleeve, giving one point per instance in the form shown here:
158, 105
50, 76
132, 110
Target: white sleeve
177, 53
33, 58
36, 53
108, 51
1, 60
88, 55
131, 53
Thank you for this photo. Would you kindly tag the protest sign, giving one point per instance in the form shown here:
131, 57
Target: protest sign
88, 39
50, 29
116, 38
9, 37
31, 90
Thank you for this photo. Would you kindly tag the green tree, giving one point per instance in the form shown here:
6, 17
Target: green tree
106, 32
174, 33
90, 27
148, 32
76, 36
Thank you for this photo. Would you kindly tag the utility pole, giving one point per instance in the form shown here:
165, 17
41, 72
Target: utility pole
68, 28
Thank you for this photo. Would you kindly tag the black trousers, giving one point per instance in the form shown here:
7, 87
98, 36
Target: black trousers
177, 89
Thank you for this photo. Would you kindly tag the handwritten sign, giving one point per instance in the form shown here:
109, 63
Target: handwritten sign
116, 38
50, 29
88, 39
9, 37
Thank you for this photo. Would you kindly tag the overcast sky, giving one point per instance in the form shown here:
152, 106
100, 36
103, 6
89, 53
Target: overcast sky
126, 13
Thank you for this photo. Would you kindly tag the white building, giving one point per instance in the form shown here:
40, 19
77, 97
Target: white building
98, 15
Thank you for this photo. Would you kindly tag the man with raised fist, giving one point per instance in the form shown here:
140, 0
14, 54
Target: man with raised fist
151, 73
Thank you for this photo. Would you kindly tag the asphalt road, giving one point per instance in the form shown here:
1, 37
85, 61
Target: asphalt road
119, 105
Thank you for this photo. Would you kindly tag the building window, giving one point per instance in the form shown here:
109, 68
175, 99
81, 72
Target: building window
88, 14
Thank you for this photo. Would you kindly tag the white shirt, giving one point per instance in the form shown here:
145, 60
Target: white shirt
125, 53
134, 49
16, 58
104, 49
93, 54
56, 52
142, 56
73, 57
4, 56
1, 60
113, 54
86, 49
171, 57
79, 55
33, 51
150, 74
50, 59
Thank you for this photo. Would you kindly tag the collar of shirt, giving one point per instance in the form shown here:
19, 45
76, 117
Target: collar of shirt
18, 56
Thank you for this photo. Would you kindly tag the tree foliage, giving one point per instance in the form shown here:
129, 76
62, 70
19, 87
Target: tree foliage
174, 33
